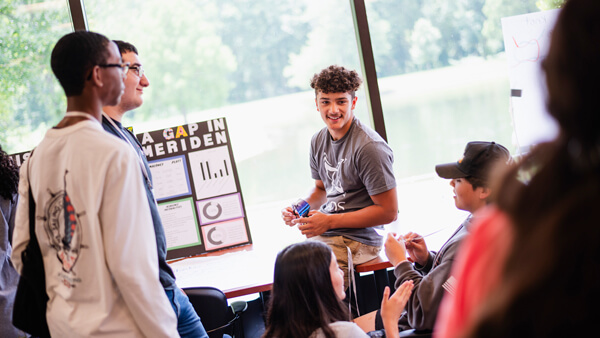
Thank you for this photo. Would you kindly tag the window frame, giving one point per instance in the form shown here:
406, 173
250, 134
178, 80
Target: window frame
365, 55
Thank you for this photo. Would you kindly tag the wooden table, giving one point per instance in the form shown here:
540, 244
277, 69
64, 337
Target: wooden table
379, 263
237, 271
246, 270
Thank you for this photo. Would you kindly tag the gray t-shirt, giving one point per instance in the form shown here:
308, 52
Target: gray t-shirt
353, 168
342, 330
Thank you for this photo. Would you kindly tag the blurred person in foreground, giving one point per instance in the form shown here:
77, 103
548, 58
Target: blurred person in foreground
532, 267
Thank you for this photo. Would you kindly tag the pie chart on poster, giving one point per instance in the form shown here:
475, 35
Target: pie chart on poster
215, 236
211, 211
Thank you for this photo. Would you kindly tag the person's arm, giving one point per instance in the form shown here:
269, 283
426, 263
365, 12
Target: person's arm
21, 229
424, 302
130, 247
316, 197
417, 249
478, 271
383, 211
392, 307
395, 249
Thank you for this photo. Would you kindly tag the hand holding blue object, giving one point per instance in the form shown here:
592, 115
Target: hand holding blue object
301, 208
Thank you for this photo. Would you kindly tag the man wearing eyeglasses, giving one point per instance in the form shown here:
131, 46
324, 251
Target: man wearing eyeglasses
91, 220
135, 82
188, 322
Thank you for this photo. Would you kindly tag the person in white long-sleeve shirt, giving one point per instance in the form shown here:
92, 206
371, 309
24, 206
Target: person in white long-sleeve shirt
92, 220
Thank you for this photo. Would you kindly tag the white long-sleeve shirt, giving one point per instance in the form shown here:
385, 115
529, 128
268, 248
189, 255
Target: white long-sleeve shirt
95, 233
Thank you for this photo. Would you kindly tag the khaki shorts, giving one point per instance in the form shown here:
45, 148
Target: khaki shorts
360, 252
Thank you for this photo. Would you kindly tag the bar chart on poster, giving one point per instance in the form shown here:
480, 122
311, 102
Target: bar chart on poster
526, 42
212, 169
196, 187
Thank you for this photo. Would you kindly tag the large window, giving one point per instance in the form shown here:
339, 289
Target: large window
443, 80
249, 61
441, 72
31, 101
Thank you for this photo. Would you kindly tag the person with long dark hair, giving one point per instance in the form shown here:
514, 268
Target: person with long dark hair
9, 278
542, 281
307, 294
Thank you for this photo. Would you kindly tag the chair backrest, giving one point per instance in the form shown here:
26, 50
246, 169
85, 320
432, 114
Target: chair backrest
414, 333
211, 306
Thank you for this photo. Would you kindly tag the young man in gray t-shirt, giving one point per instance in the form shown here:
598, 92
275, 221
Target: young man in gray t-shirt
355, 188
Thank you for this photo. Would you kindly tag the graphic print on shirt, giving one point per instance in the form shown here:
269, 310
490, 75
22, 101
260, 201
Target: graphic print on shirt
62, 225
334, 175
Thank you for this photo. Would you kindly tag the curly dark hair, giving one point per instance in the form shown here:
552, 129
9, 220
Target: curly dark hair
336, 79
9, 176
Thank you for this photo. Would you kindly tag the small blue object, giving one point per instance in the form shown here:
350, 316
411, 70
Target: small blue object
301, 208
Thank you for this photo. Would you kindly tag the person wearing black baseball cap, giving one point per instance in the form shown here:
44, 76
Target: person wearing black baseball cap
474, 169
477, 159
430, 271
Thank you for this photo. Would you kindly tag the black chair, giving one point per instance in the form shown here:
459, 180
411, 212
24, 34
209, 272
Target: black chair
217, 316
415, 333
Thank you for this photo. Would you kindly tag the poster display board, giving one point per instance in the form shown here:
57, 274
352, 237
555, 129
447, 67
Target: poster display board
526, 42
196, 187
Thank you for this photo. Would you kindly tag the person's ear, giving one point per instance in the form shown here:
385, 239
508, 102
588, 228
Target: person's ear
484, 192
96, 77
317, 104
354, 102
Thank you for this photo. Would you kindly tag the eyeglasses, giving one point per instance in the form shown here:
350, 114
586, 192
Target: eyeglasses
124, 67
137, 70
